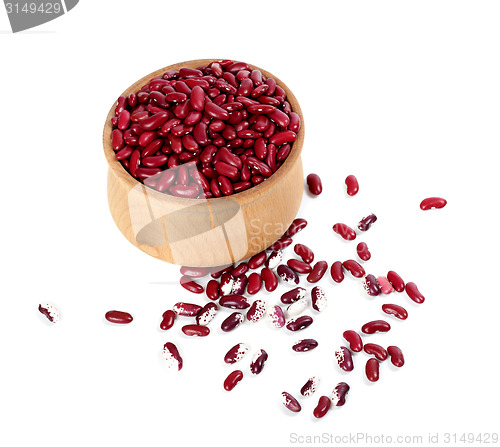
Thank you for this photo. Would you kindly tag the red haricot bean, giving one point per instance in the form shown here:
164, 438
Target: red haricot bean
293, 295
258, 361
290, 402
371, 286
296, 226
299, 266
304, 252
396, 354
365, 223
168, 319
186, 309
257, 260
171, 356
413, 292
232, 322
354, 340
118, 317
397, 311
234, 302
372, 370
236, 353
375, 326
232, 379
317, 271
352, 185
287, 274
337, 272
354, 268
396, 281
345, 231
307, 344
378, 351
195, 272
299, 323
339, 393
206, 314
190, 285
314, 184
323, 406
280, 244
309, 388
212, 290
254, 283
363, 251
432, 202
269, 278
344, 359
257, 311
195, 330
385, 285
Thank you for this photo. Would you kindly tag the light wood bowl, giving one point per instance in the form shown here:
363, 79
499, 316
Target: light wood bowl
199, 232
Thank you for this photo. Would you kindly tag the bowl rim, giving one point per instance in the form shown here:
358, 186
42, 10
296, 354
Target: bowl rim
248, 195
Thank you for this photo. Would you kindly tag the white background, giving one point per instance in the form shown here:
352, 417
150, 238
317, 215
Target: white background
405, 95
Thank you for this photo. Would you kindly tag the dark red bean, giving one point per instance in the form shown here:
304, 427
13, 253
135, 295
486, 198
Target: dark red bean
413, 292
296, 226
195, 330
345, 231
155, 121
287, 274
240, 270
294, 122
354, 268
233, 379
206, 314
166, 180
354, 340
281, 243
307, 344
269, 278
258, 361
258, 108
293, 295
397, 311
286, 136
318, 299
190, 285
124, 153
339, 394
257, 260
168, 319
304, 252
363, 251
396, 281
225, 185
232, 322
236, 353
372, 370
239, 285
186, 309
260, 148
344, 359
280, 118
117, 140
337, 272
212, 290
155, 161
314, 184
123, 120
365, 223
216, 112
296, 324
375, 326
371, 286
254, 283
323, 406
376, 350
352, 185
171, 355
234, 302
118, 317
317, 272
432, 202
290, 402
259, 166
397, 357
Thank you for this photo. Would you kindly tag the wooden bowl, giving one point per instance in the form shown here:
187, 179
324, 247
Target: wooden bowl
204, 232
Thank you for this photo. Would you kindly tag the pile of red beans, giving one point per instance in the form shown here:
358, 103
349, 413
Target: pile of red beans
207, 132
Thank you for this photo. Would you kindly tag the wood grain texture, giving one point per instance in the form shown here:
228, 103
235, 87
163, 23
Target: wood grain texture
211, 232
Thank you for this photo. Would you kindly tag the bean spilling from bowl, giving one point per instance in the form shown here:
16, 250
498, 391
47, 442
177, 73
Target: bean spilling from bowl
208, 132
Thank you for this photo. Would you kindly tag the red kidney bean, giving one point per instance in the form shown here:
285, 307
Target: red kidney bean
187, 192
258, 361
186, 309
50, 311
297, 307
283, 153
371, 286
206, 314
352, 185
317, 271
257, 260
432, 202
318, 299
254, 283
290, 402
310, 387
154, 121
299, 323
279, 138
293, 295
166, 180
337, 272
236, 353
168, 319
344, 359
378, 351
234, 302
314, 184
124, 153
397, 311
259, 166
363, 251
385, 285
240, 270
299, 266
197, 98
212, 290
354, 268
294, 122
260, 148
339, 394
305, 253
232, 322
276, 317
365, 223
117, 140
287, 274
413, 292
280, 118
397, 357
323, 406
239, 285
155, 161
269, 278
375, 326
354, 340
123, 120
233, 379
307, 344
257, 311
396, 281
296, 226
345, 231
281, 243
225, 185
226, 283
171, 355
118, 317
190, 285
372, 370
195, 330
258, 108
